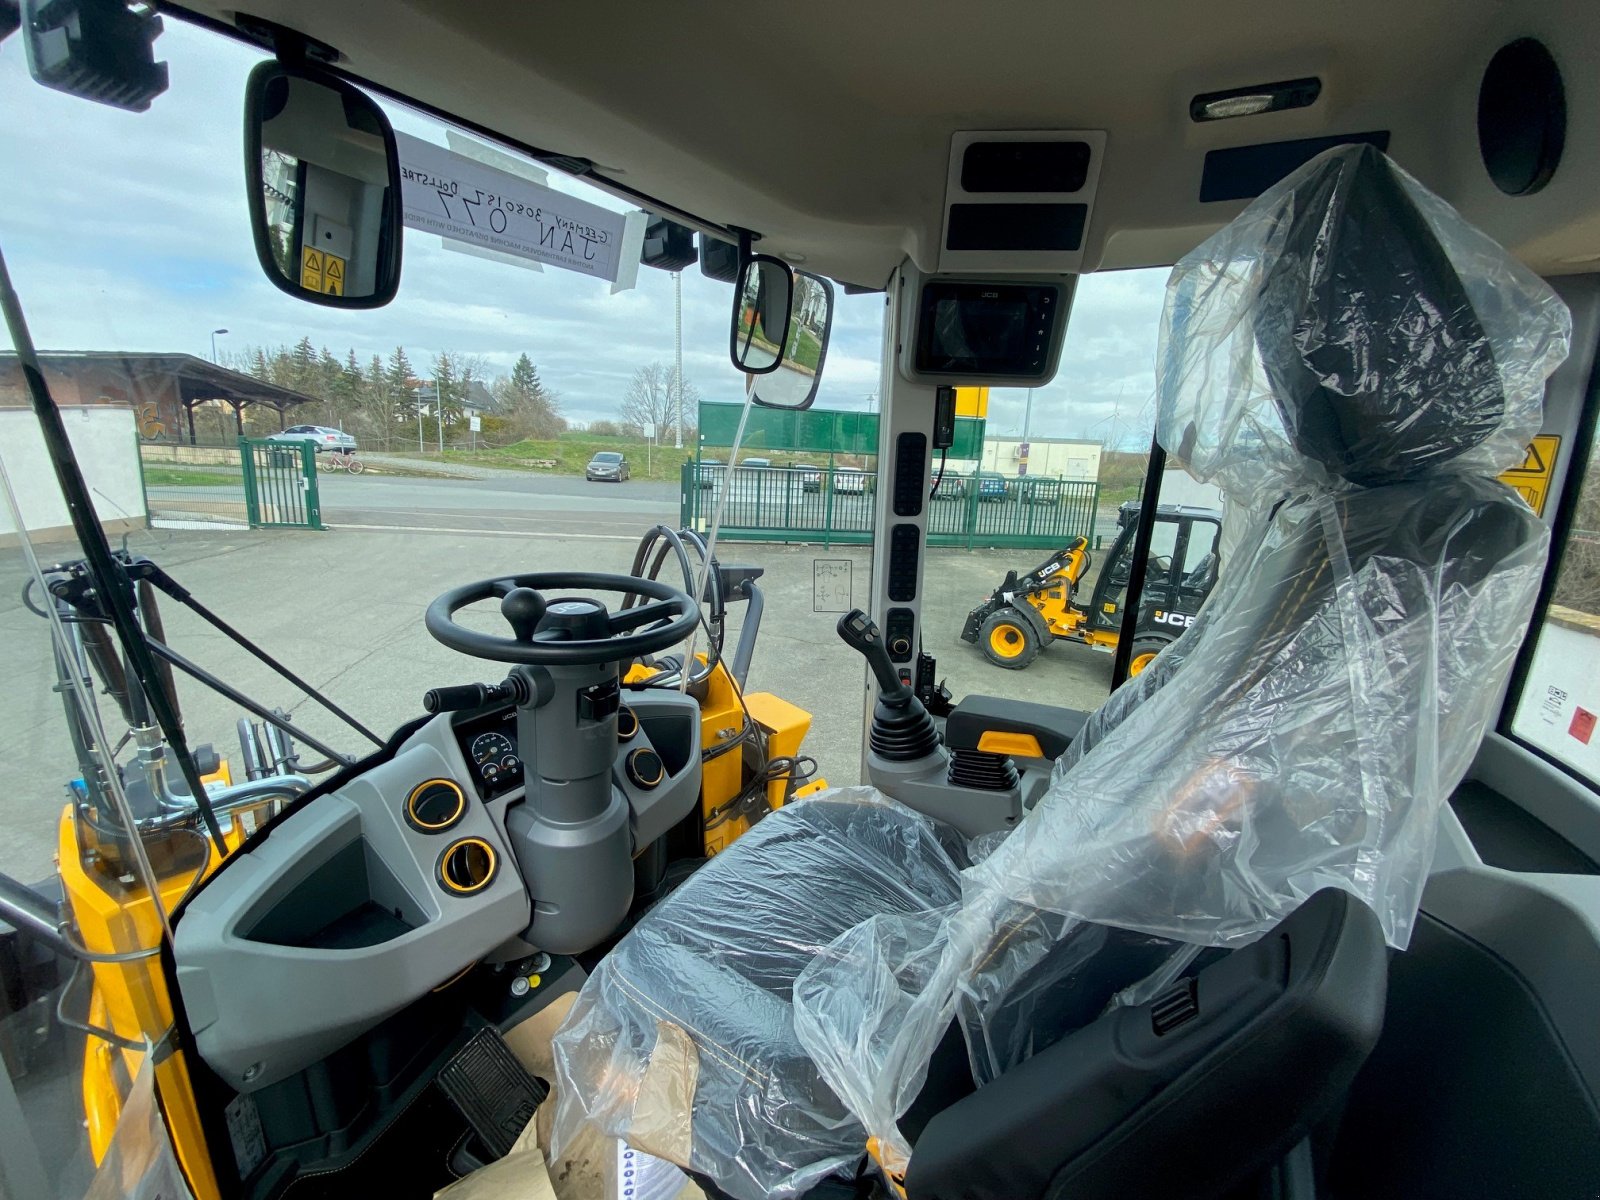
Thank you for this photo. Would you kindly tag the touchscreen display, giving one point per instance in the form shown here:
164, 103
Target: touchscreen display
985, 329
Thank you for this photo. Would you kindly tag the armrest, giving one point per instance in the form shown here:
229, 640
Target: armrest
1014, 727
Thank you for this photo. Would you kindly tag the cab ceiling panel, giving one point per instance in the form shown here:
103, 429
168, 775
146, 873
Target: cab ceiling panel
827, 127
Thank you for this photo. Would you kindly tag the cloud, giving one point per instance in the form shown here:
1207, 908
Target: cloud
130, 232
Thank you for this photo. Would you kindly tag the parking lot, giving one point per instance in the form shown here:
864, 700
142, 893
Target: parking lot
344, 608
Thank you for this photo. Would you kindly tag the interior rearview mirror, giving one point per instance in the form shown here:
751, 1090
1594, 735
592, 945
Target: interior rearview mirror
324, 187
761, 301
805, 347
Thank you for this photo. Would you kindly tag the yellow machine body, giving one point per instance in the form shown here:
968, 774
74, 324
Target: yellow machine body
113, 913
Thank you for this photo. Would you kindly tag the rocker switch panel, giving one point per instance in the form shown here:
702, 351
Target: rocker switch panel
910, 466
903, 543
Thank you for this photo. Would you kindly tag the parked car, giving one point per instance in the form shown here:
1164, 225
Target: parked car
951, 487
321, 438
810, 479
607, 465
1042, 491
757, 464
850, 480
707, 471
991, 486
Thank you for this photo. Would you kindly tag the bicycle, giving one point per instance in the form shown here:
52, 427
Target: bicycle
342, 460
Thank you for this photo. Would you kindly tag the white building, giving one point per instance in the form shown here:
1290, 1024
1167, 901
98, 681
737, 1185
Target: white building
1049, 458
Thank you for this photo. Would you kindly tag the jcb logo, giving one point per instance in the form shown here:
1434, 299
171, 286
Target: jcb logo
1178, 619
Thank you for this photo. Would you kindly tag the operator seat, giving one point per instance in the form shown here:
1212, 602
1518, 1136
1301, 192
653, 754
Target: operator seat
1268, 786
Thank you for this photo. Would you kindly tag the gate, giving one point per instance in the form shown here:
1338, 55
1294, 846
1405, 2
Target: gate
280, 484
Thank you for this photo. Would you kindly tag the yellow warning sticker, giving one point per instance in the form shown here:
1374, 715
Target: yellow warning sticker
332, 275
311, 269
1531, 479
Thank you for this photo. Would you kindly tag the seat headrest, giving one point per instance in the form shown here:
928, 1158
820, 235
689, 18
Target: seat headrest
1350, 328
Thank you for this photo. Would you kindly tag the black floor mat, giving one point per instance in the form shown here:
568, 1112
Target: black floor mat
408, 1161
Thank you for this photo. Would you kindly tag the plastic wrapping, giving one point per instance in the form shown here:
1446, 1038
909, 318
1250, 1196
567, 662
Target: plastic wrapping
1351, 362
682, 1043
1295, 343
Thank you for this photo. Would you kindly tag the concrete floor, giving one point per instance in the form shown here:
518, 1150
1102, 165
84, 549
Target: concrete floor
344, 608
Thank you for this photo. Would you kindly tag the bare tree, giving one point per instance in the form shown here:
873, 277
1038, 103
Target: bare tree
650, 399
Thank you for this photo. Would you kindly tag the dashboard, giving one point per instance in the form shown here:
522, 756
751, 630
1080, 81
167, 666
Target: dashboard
489, 745
368, 896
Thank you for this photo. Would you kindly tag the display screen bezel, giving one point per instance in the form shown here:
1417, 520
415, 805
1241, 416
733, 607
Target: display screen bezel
1039, 306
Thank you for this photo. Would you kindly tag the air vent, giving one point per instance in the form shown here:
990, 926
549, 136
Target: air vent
1174, 1007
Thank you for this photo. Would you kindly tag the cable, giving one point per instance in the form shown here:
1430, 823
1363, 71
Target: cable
944, 457
83, 1027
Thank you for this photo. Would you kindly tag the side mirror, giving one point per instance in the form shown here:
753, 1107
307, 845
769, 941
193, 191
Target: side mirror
323, 176
805, 349
761, 302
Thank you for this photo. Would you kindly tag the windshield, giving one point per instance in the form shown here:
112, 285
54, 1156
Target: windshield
309, 478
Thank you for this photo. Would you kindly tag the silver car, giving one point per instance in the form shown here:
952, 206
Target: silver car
608, 464
321, 438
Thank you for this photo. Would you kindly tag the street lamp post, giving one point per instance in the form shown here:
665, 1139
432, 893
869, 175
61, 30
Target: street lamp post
214, 334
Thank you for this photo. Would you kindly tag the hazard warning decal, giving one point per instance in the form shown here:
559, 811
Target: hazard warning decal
1531, 479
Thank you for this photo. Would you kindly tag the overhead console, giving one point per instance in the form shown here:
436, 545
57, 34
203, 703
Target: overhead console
1019, 200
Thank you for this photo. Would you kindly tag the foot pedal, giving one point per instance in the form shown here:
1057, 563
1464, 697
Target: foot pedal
492, 1090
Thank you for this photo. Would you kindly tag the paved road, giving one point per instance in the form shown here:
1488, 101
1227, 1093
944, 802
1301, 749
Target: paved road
529, 504
565, 505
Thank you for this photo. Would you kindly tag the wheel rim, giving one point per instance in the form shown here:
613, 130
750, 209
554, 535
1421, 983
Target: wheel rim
1006, 641
1141, 661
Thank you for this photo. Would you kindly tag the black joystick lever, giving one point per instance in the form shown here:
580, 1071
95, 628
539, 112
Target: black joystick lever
902, 730
523, 608
863, 636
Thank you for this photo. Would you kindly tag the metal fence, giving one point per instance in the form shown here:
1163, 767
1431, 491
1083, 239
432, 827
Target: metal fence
834, 506
260, 484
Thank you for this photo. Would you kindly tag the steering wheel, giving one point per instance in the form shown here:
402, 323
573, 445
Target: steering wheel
566, 630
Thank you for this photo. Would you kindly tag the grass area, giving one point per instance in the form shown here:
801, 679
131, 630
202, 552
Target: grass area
805, 347
157, 476
572, 451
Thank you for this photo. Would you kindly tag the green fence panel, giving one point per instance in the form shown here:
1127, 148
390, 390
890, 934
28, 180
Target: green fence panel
835, 506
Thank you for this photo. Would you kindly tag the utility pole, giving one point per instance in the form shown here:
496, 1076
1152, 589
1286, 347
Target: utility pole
677, 336
1027, 415
438, 413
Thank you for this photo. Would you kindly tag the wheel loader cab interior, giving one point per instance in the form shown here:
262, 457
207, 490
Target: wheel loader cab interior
1211, 933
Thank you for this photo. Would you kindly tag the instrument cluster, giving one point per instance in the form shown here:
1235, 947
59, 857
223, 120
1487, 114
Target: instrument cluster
489, 743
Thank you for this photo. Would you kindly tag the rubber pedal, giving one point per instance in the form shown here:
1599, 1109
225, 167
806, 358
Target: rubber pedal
492, 1091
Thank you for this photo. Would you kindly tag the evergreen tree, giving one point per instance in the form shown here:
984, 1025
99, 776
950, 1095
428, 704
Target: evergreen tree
449, 388
401, 386
525, 377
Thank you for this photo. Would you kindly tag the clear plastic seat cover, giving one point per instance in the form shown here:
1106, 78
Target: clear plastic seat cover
1352, 363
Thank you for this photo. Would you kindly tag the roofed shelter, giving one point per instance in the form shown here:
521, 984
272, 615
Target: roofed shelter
162, 389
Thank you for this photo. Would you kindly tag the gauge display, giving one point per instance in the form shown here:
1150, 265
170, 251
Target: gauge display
494, 748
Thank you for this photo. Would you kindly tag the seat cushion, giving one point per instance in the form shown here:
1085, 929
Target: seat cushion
683, 1043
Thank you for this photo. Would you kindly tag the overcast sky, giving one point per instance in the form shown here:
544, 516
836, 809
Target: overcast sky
130, 232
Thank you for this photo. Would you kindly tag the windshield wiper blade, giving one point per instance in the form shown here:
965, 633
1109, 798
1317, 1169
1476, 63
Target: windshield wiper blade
117, 588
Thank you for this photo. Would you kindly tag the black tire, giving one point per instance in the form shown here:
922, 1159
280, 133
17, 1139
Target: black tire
1008, 639
1145, 650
